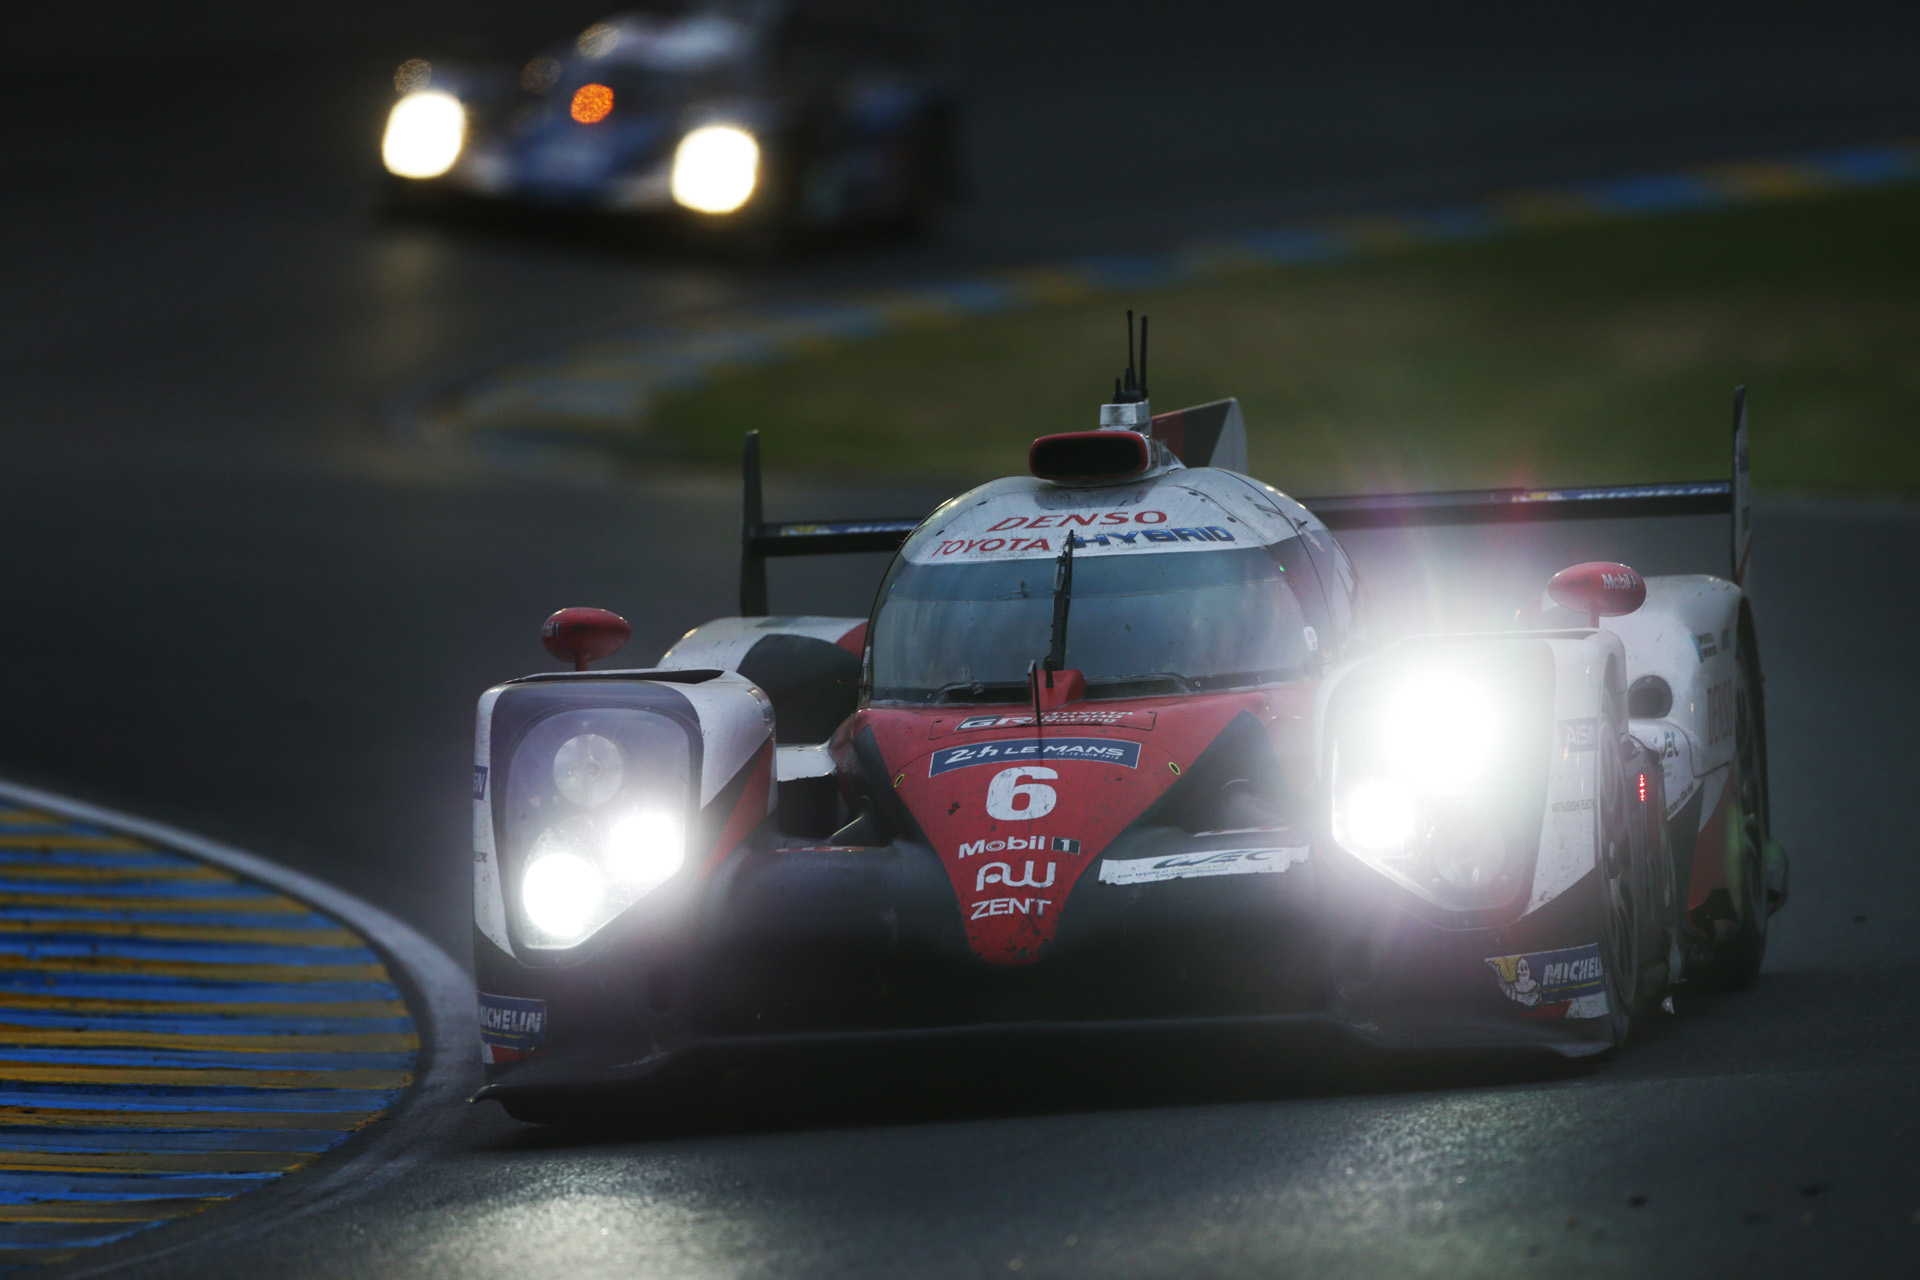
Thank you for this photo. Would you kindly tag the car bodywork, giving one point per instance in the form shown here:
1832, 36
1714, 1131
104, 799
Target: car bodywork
914, 825
848, 111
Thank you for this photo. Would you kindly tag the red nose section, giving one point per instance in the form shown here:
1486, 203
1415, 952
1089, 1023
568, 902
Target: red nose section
1019, 813
580, 636
1599, 589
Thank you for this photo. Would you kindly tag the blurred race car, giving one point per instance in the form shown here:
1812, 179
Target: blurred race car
762, 117
1114, 750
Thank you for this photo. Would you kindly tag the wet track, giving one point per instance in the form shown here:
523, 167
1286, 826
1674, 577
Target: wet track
236, 603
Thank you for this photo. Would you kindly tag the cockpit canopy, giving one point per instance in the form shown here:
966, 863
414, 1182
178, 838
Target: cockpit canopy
1173, 591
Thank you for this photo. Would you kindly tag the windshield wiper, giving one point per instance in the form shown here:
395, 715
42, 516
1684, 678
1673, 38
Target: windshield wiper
1062, 600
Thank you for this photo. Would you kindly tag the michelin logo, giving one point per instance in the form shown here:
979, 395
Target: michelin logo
1016, 750
1187, 866
1570, 983
510, 1022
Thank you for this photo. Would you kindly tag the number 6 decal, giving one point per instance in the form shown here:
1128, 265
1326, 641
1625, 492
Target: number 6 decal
1011, 797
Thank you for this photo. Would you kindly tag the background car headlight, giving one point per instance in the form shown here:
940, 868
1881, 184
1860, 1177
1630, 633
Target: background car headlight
597, 806
715, 168
1438, 768
425, 132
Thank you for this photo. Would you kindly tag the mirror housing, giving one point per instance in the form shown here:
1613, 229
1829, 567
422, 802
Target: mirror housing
582, 635
1599, 589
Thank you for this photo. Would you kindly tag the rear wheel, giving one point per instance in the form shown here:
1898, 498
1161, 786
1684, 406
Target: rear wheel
1736, 963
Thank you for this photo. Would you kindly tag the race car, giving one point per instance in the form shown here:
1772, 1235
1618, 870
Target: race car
761, 118
1115, 749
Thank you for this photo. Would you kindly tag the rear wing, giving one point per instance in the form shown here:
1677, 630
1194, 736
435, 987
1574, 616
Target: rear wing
1219, 426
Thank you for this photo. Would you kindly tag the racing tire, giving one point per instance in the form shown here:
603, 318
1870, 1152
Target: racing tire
1620, 925
1736, 961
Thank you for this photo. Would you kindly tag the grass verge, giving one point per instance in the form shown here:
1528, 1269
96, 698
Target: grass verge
1579, 352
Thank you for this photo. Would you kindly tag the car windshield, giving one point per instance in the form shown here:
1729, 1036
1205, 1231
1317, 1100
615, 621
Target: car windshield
1139, 624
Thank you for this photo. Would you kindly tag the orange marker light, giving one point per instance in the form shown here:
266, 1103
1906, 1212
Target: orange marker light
592, 103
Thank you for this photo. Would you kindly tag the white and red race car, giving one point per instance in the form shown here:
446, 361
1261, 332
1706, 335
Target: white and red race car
1114, 751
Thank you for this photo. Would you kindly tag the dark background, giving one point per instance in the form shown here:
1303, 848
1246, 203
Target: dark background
238, 600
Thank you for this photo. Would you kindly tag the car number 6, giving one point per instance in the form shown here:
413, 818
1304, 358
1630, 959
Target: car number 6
1010, 796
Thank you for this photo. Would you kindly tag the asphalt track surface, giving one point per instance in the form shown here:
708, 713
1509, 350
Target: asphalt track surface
238, 604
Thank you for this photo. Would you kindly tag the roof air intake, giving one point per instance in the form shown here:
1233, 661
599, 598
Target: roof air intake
1090, 457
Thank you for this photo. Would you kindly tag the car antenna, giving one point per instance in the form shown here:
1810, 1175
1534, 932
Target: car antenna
1131, 387
1143, 355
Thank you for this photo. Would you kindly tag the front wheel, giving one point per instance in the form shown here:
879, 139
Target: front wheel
1736, 962
1620, 939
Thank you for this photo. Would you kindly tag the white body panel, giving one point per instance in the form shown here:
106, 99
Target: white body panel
489, 906
1021, 518
732, 728
1588, 686
724, 642
1686, 634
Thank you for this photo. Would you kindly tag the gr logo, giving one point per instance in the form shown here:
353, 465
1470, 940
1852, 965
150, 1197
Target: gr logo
1014, 796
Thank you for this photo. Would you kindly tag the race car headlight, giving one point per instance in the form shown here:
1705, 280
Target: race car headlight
425, 132
596, 819
715, 168
1438, 766
562, 892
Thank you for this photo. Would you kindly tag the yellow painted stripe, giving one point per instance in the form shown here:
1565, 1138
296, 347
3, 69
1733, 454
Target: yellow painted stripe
71, 871
203, 1077
95, 1211
13, 817
378, 1042
76, 1118
186, 932
117, 844
155, 1161
198, 969
288, 1009
134, 906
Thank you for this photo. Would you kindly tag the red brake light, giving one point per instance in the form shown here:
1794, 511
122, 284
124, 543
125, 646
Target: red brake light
1643, 788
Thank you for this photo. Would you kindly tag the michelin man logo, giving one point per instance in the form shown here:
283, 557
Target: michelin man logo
1516, 979
1569, 983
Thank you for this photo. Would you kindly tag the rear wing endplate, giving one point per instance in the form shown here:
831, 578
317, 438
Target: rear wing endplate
761, 539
